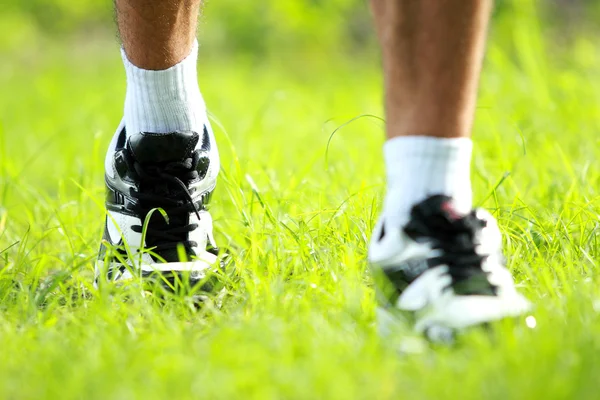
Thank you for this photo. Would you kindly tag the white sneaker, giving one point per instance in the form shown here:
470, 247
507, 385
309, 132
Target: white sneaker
446, 269
176, 172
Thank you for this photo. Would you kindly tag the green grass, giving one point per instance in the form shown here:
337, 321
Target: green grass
298, 320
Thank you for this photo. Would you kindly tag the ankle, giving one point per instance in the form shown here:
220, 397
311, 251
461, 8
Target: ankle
418, 167
164, 101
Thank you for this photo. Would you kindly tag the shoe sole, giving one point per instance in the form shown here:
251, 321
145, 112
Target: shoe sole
441, 324
192, 271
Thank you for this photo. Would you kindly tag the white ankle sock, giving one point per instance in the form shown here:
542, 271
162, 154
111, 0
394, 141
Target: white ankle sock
164, 101
418, 167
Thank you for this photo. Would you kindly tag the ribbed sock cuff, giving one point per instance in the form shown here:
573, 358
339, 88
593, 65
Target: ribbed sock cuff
418, 167
164, 101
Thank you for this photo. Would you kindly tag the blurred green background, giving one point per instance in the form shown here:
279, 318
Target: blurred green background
230, 25
248, 27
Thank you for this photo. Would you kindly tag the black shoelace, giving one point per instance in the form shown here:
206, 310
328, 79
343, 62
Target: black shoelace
457, 240
164, 186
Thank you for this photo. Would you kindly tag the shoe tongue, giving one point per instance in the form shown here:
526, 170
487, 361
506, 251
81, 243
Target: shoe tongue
449, 210
437, 206
433, 217
162, 147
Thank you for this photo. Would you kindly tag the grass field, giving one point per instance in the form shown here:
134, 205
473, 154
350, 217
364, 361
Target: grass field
298, 318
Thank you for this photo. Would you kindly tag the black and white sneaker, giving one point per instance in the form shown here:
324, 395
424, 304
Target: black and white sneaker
446, 269
175, 172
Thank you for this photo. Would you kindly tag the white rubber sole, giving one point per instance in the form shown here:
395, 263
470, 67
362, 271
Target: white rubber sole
439, 323
197, 267
459, 312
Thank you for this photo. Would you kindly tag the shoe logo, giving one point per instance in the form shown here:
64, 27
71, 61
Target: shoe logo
117, 142
414, 268
407, 271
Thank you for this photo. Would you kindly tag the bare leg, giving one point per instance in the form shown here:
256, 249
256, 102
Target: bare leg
432, 52
157, 34
163, 154
160, 53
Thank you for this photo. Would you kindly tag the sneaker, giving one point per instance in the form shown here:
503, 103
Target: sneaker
176, 172
445, 269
